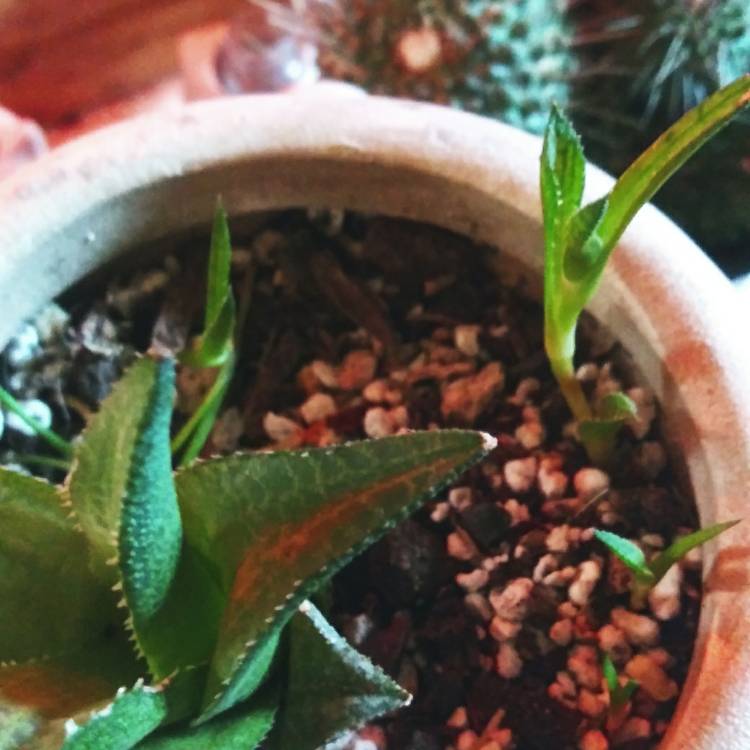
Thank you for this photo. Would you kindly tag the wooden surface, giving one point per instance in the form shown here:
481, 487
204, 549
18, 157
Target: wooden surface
60, 59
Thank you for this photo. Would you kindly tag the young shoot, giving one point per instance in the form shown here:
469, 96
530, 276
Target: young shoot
619, 695
214, 348
647, 573
580, 239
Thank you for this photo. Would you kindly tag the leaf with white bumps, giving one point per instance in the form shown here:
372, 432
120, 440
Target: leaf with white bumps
277, 526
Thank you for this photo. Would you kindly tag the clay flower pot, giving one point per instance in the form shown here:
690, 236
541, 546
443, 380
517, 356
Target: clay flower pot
121, 188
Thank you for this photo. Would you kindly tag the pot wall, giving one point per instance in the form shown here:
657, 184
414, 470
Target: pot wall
120, 188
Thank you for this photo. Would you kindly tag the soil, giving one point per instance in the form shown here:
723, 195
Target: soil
494, 604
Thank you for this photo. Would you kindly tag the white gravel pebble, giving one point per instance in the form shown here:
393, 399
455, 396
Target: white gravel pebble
590, 482
319, 406
547, 563
37, 410
517, 511
645, 403
613, 642
520, 474
561, 632
664, 598
473, 581
589, 573
593, 740
324, 373
504, 630
557, 539
584, 665
512, 602
357, 370
531, 435
460, 498
466, 339
460, 547
635, 728
639, 629
280, 429
440, 512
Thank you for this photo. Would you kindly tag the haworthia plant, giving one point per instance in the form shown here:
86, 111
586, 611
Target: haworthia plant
145, 609
579, 239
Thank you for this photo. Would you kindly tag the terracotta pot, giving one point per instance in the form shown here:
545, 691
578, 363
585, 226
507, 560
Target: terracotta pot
120, 188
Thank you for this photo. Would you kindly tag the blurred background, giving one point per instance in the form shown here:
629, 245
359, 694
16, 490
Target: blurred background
623, 69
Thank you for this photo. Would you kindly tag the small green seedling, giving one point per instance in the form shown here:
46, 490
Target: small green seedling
143, 609
215, 347
580, 239
646, 574
619, 695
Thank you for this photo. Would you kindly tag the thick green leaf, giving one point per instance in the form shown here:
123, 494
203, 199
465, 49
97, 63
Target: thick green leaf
104, 458
678, 549
276, 526
242, 728
629, 552
136, 713
330, 688
617, 406
50, 602
37, 698
150, 533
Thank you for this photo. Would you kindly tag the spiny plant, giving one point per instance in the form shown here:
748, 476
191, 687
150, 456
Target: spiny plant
579, 240
644, 63
141, 608
508, 59
647, 573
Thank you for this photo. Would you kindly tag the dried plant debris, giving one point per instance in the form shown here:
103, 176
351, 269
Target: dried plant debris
495, 606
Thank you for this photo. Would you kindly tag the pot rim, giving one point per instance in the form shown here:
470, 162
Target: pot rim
131, 183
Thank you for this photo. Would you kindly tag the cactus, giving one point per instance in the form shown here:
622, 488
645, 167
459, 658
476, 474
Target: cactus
508, 59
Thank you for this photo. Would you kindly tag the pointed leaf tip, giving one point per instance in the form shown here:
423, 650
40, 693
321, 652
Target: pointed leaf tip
272, 556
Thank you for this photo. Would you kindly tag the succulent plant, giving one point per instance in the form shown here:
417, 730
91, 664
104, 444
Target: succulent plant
141, 608
507, 59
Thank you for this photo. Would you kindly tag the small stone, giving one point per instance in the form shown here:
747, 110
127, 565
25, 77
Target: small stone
557, 539
589, 573
560, 578
520, 474
318, 407
37, 410
458, 719
377, 423
504, 630
466, 339
324, 373
512, 602
51, 322
487, 524
461, 547
525, 388
545, 565
645, 404
651, 678
23, 347
478, 605
466, 398
593, 740
227, 431
357, 370
590, 704
518, 513
357, 629
440, 512
587, 372
280, 429
639, 629
561, 632
552, 483
460, 497
583, 663
613, 642
509, 663
664, 598
635, 728
531, 435
590, 482
473, 581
